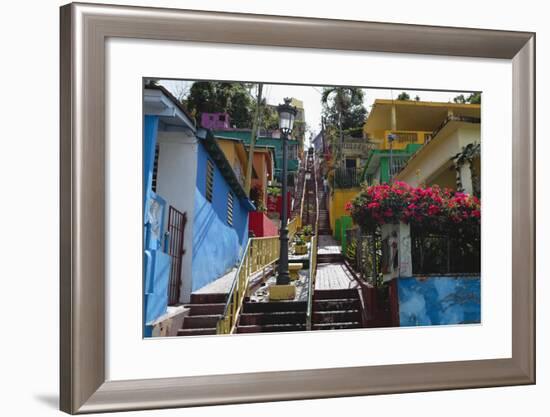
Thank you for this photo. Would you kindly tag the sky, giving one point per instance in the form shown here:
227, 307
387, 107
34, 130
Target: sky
311, 97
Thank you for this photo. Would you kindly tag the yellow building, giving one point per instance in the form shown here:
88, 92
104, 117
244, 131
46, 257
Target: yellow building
412, 141
399, 128
235, 152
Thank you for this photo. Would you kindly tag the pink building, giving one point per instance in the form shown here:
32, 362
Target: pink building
215, 121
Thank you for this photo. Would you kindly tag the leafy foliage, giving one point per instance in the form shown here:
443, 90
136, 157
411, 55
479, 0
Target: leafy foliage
473, 98
344, 102
231, 97
430, 209
403, 96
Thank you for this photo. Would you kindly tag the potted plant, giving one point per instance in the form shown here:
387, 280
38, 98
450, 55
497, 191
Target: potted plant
307, 231
300, 245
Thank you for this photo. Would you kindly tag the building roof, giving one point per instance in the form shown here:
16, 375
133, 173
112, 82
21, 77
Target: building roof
149, 93
414, 115
240, 149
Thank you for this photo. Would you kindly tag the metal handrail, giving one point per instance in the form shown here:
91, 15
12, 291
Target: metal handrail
313, 256
303, 197
260, 252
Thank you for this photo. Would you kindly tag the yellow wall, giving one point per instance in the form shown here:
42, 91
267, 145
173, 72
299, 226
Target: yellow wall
338, 200
228, 148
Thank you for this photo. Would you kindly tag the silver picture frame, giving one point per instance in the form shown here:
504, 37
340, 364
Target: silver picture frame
83, 34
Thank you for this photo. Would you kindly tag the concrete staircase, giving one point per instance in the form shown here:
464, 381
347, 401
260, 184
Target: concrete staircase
274, 316
336, 309
205, 311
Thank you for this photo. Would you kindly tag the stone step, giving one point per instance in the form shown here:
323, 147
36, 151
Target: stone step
275, 306
331, 258
208, 298
197, 322
285, 317
335, 294
255, 328
337, 326
336, 304
196, 332
344, 316
205, 309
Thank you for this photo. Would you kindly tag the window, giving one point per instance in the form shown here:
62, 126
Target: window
209, 179
222, 118
155, 168
230, 208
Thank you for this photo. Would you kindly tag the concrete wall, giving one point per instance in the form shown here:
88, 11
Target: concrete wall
438, 300
338, 200
176, 181
217, 246
431, 160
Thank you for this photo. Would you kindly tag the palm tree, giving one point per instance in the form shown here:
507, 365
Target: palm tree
342, 96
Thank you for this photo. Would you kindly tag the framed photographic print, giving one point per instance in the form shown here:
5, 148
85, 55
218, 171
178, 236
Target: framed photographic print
261, 208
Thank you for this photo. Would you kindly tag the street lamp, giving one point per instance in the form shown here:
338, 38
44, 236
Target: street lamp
287, 113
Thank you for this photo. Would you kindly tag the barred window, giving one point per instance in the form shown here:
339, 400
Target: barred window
209, 180
230, 208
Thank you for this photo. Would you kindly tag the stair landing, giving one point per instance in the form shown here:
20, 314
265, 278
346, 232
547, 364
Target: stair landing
332, 276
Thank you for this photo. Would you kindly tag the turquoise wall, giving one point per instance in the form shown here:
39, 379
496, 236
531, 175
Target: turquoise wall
438, 300
217, 246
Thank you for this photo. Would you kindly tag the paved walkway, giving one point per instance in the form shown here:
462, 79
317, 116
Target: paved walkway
334, 276
327, 245
223, 284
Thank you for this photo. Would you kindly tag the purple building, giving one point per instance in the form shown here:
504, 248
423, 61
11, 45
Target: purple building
215, 121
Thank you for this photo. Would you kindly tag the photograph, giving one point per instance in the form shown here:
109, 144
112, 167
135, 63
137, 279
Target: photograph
273, 207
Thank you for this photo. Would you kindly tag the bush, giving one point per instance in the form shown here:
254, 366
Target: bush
431, 210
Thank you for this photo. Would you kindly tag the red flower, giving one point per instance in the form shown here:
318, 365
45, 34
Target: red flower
433, 210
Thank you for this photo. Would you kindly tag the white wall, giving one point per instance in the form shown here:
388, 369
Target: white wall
30, 56
176, 180
433, 160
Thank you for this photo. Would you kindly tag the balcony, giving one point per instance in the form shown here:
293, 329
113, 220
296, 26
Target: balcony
346, 178
404, 138
357, 148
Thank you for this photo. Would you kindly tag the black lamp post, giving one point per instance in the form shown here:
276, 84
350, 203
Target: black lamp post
287, 113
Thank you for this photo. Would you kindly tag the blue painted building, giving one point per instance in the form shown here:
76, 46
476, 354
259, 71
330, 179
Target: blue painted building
195, 209
220, 223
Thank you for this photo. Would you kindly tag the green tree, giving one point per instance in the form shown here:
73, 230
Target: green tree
213, 96
473, 98
403, 96
460, 99
345, 110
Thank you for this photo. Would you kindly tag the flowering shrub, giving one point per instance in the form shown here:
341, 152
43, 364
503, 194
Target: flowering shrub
430, 209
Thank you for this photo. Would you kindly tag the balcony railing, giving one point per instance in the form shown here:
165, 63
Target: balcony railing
347, 178
402, 138
396, 166
353, 148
